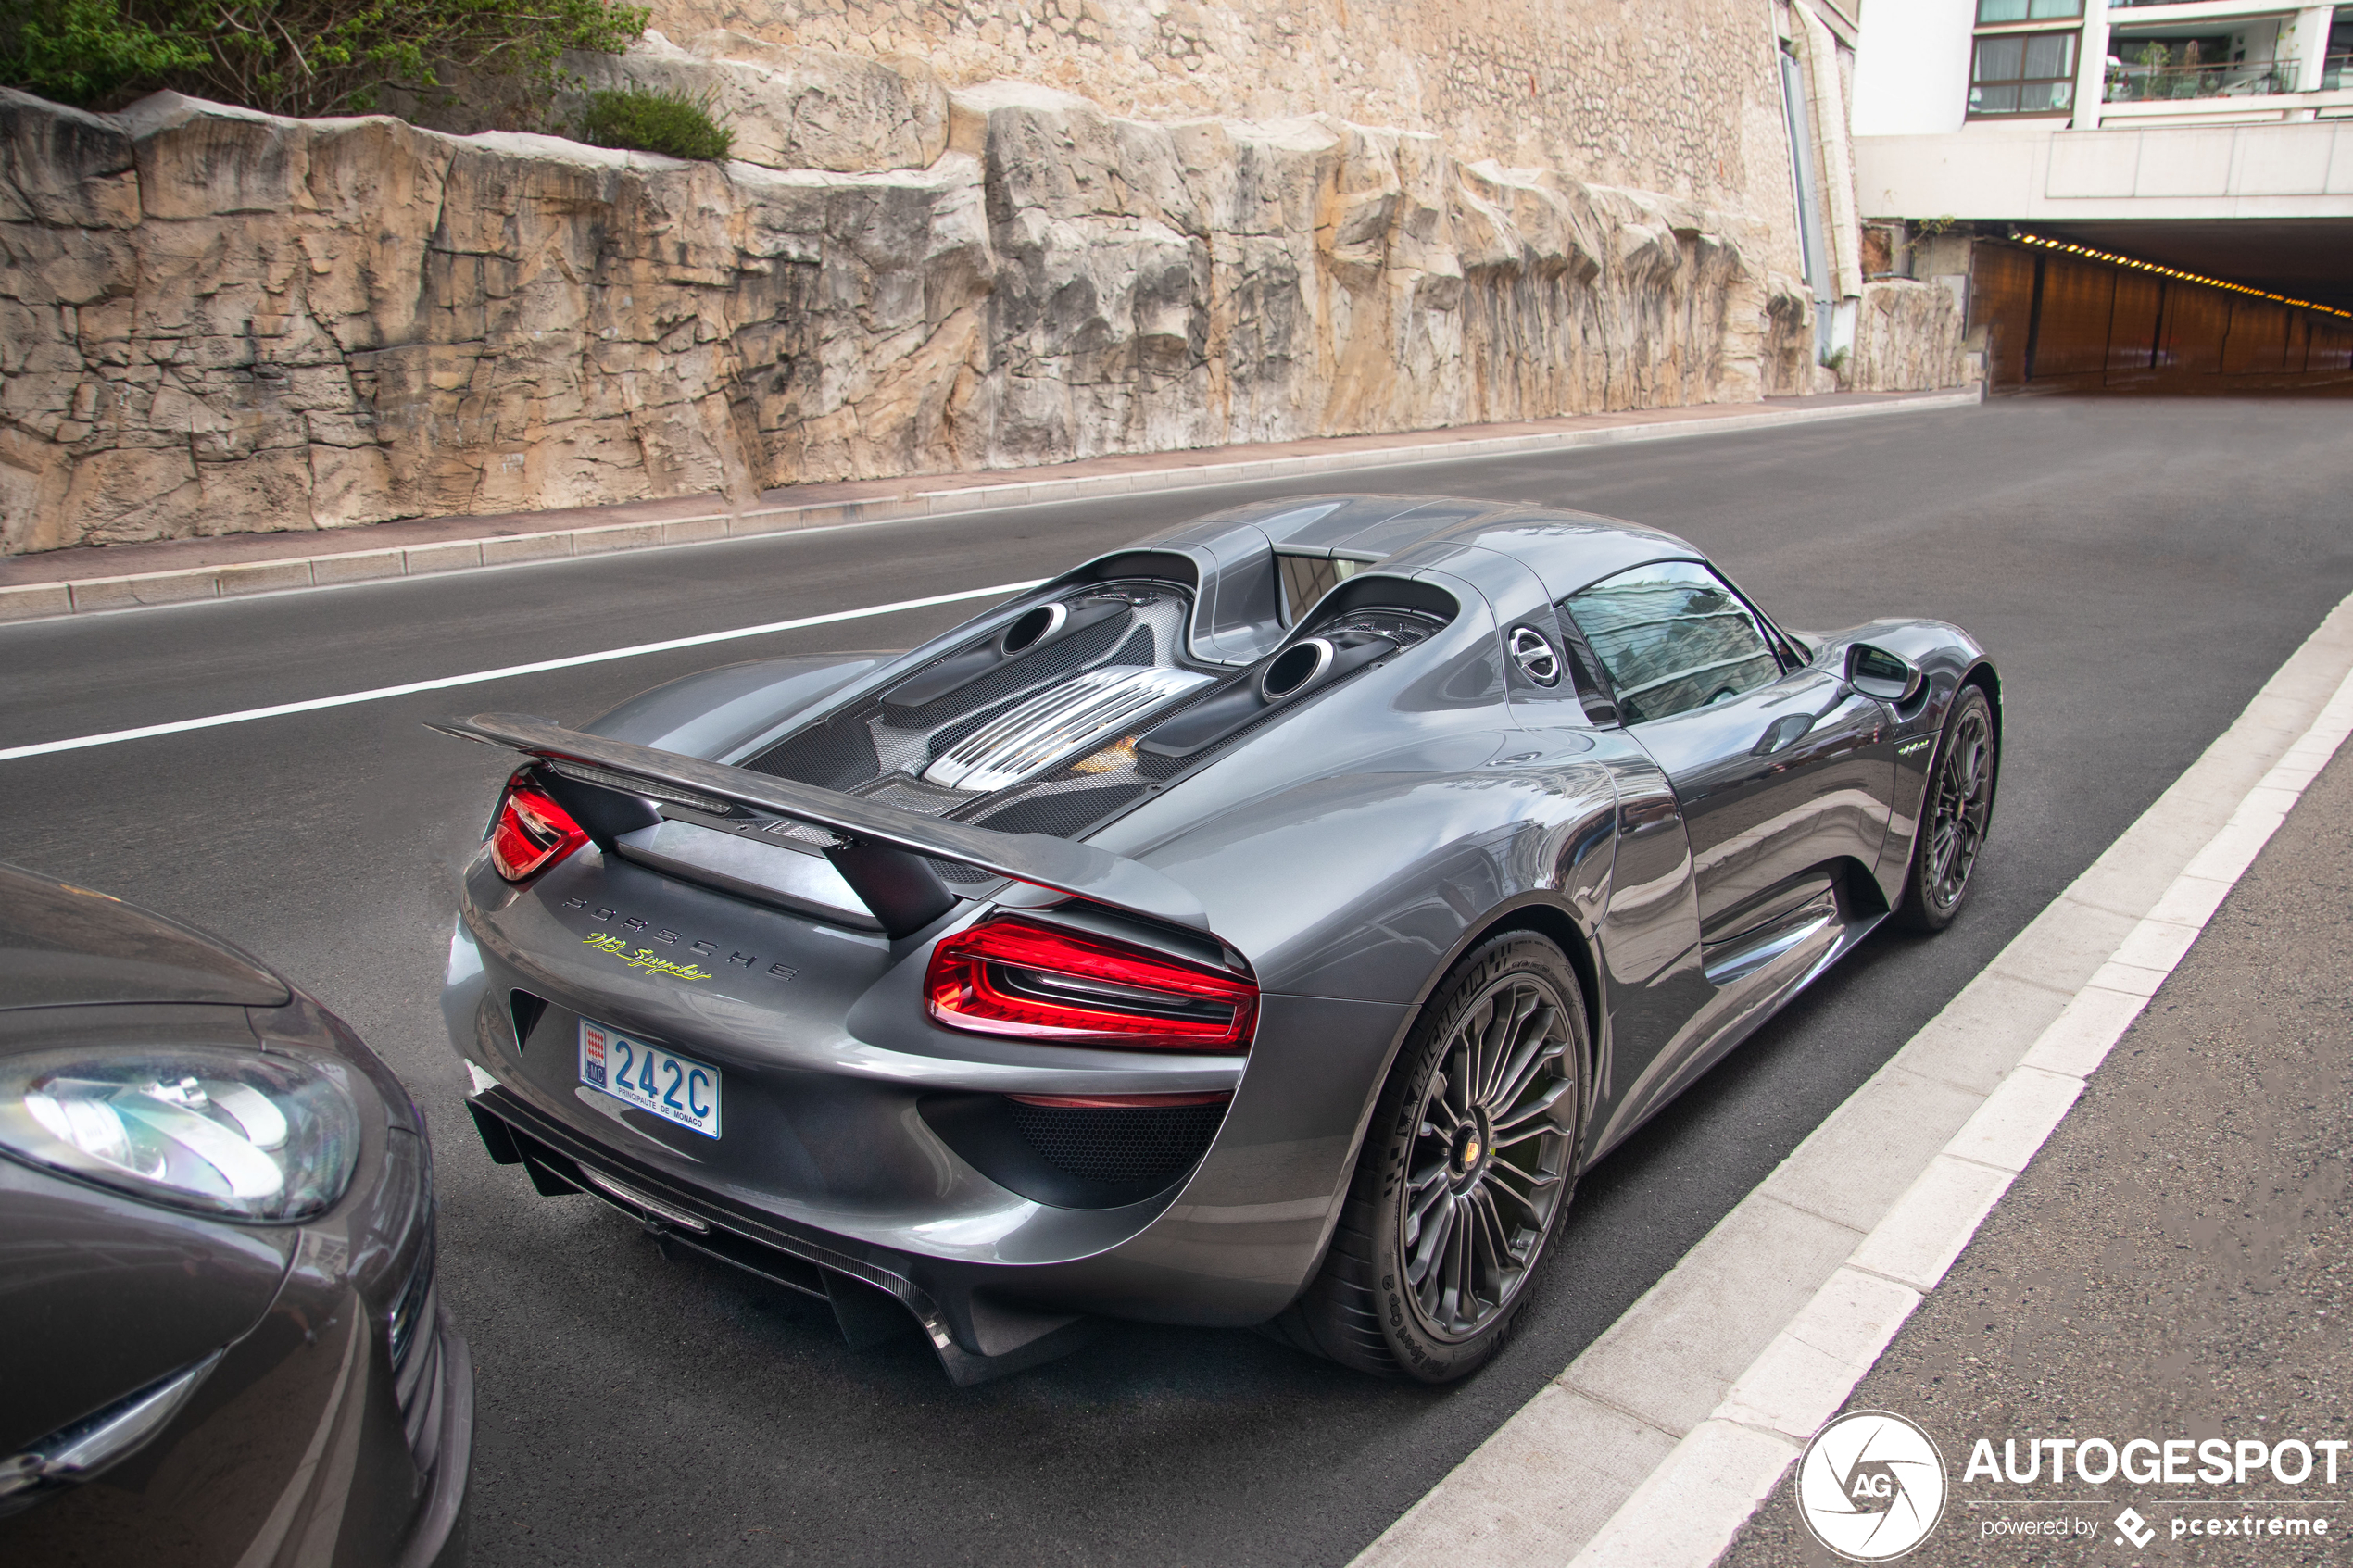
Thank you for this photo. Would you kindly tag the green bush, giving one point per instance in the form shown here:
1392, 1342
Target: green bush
297, 56
647, 121
88, 51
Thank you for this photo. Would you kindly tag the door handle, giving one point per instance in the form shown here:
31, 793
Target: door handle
1782, 734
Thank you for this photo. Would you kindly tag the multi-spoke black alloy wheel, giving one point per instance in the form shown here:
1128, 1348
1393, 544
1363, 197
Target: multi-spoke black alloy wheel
1489, 1156
1467, 1170
1956, 813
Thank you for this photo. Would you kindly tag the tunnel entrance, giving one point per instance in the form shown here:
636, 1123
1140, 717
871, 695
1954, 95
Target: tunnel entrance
2063, 316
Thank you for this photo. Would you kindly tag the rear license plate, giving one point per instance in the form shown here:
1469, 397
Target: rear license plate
673, 1087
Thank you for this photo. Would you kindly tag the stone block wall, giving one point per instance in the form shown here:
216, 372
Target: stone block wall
1680, 96
215, 321
1907, 335
1787, 369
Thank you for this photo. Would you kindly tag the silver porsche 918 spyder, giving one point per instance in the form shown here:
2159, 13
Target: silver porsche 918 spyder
1259, 926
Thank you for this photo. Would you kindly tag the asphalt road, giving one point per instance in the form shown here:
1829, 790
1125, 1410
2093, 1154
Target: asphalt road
2139, 568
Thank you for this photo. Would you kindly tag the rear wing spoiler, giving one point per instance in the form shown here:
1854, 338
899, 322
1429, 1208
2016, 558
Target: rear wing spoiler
883, 851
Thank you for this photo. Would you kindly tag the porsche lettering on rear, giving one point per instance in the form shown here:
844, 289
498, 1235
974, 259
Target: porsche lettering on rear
647, 959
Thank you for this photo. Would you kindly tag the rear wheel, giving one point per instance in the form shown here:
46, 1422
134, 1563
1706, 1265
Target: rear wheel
1466, 1173
1954, 815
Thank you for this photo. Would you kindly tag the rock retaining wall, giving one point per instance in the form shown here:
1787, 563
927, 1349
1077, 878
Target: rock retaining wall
1907, 335
1682, 96
213, 320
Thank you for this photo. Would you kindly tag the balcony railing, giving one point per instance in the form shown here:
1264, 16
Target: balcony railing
2243, 79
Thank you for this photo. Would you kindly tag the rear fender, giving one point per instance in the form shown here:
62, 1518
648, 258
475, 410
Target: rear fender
1368, 886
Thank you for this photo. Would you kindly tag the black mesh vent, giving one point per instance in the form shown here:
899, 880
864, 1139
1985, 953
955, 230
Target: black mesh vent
1138, 649
1160, 770
1065, 815
910, 795
837, 754
1119, 1144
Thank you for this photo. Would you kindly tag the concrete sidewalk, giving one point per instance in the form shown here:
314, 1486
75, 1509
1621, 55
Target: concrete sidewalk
2176, 1263
77, 581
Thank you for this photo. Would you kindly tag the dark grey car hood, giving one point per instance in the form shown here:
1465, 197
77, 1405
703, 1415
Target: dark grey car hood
63, 946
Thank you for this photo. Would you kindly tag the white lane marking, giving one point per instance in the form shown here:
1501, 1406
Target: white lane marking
311, 705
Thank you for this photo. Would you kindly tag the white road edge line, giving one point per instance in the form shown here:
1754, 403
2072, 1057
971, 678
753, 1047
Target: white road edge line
310, 704
1660, 1440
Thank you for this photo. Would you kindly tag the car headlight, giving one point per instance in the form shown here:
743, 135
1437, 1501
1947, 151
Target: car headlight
209, 1128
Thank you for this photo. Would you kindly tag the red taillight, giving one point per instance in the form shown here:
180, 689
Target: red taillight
1038, 983
533, 832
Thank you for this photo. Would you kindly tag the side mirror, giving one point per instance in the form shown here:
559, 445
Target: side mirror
1876, 672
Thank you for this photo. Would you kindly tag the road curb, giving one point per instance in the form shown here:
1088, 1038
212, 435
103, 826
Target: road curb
1726, 1367
36, 601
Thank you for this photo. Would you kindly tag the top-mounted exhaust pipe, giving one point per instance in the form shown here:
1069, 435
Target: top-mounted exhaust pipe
1305, 666
1295, 668
1035, 629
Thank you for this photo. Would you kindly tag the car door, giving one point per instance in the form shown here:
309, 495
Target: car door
1783, 771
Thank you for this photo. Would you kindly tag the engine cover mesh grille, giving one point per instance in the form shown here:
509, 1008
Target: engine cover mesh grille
1065, 815
837, 754
873, 737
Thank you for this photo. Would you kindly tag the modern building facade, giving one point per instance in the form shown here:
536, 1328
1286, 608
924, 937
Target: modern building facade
2207, 139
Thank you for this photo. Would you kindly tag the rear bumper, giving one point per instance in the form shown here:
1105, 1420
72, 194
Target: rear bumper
830, 1162
977, 1335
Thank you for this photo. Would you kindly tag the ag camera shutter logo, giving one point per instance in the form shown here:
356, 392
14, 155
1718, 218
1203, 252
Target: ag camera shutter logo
1872, 1485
